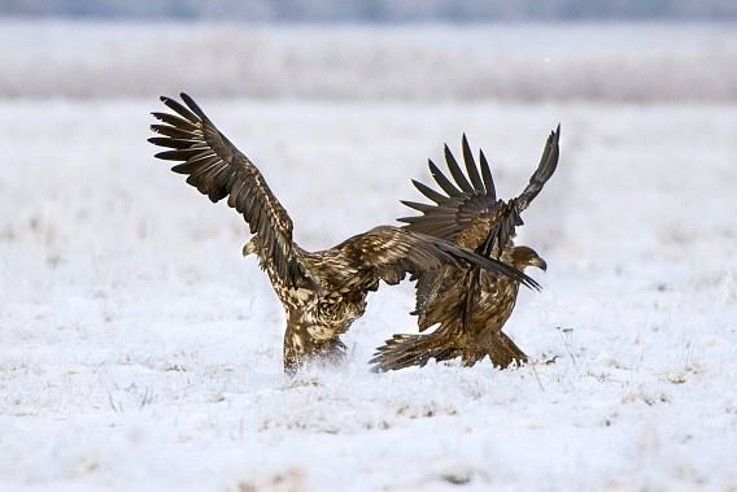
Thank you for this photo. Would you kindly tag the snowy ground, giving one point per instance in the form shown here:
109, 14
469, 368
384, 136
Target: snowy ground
139, 350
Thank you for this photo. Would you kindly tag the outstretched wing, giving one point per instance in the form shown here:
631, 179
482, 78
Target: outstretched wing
545, 169
464, 211
218, 169
467, 210
508, 214
389, 253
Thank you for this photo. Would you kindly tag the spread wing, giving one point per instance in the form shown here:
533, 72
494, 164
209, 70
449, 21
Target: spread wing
389, 253
466, 209
218, 169
508, 217
545, 169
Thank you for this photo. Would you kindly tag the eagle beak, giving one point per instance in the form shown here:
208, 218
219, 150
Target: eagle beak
249, 248
540, 263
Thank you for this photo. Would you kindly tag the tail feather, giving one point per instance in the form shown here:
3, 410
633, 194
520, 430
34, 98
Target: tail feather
404, 350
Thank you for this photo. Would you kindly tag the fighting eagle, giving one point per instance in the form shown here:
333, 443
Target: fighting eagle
469, 305
322, 292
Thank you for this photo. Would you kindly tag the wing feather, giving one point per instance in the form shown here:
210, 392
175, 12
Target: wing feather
545, 169
488, 179
170, 131
463, 213
429, 192
389, 253
473, 172
175, 121
456, 172
442, 180
421, 207
510, 216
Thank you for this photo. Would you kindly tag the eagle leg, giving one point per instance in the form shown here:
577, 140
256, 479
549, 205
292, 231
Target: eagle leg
301, 348
503, 352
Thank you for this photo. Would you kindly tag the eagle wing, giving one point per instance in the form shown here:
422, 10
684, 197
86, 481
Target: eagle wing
462, 211
389, 253
218, 169
467, 210
545, 169
508, 215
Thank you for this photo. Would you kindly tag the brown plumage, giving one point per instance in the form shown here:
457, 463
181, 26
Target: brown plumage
470, 306
322, 292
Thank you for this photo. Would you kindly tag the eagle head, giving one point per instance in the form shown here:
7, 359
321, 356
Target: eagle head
250, 247
524, 256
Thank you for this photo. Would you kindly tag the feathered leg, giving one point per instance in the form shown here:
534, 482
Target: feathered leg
503, 351
300, 348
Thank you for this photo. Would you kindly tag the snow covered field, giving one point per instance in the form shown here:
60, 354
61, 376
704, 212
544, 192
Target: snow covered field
140, 350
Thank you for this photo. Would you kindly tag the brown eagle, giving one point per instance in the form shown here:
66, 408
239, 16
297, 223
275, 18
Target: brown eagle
322, 292
469, 305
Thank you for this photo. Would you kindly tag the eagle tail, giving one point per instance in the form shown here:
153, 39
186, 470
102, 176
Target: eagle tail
404, 350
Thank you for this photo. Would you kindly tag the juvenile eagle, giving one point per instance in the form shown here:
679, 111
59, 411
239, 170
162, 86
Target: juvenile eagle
470, 306
322, 292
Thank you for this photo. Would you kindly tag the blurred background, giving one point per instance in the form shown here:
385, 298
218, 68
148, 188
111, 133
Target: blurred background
378, 10
359, 49
139, 348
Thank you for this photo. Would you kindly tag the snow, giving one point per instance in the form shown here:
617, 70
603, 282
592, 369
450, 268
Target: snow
140, 350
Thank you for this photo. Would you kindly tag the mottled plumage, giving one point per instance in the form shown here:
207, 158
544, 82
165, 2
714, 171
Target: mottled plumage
468, 305
322, 292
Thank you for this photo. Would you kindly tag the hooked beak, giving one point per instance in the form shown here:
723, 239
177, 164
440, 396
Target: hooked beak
249, 248
540, 263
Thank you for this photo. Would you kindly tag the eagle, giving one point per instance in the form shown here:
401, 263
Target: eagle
469, 305
322, 292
